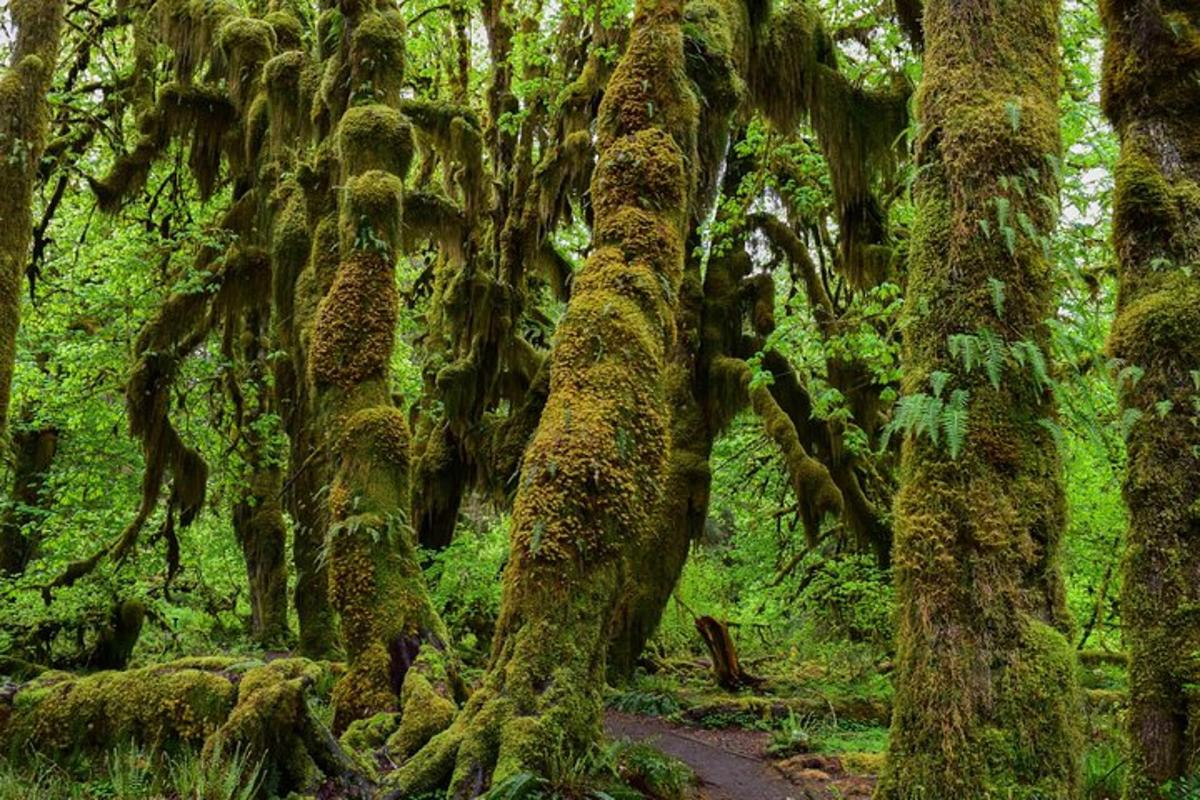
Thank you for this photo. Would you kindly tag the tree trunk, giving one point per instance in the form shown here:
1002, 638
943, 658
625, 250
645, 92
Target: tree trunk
727, 668
986, 701
297, 293
258, 521
397, 646
596, 468
34, 449
24, 119
1151, 96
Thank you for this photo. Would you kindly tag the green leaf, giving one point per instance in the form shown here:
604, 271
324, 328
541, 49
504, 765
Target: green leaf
938, 381
994, 350
997, 287
954, 421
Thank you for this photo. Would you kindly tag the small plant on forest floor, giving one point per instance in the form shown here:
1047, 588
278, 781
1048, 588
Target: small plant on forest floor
36, 782
796, 734
130, 772
1184, 789
651, 704
622, 771
1104, 768
215, 775
649, 771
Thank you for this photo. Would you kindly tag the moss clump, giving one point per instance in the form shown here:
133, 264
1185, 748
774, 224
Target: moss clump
355, 326
288, 30
371, 210
375, 137
158, 706
377, 56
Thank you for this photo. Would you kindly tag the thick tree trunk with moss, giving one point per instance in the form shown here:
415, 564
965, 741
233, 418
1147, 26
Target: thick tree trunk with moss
34, 448
986, 701
23, 124
397, 646
1151, 96
593, 473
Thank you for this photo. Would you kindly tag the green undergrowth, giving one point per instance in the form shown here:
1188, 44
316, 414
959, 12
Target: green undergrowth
684, 691
132, 773
620, 771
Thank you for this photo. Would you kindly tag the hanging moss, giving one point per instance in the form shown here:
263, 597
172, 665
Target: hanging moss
986, 699
246, 44
1152, 54
377, 57
189, 28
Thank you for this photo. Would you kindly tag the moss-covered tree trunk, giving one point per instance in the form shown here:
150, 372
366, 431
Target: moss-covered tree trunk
24, 119
986, 704
396, 644
1153, 99
594, 472
34, 448
258, 521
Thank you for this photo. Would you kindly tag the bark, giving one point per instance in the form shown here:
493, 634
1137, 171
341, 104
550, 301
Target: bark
593, 473
727, 668
34, 449
24, 121
986, 701
1151, 96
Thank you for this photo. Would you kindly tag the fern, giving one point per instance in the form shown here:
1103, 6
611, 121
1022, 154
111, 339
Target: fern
997, 287
938, 381
965, 348
954, 421
994, 352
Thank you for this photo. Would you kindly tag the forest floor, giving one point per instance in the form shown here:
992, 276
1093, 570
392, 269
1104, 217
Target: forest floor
733, 764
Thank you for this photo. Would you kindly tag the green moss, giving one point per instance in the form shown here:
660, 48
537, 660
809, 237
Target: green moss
158, 706
594, 471
375, 137
377, 56
355, 327
289, 31
371, 209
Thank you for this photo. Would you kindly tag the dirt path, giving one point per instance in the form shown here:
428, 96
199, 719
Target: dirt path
732, 764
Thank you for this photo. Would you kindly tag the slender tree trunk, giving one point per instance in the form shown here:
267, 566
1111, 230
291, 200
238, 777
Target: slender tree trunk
594, 472
24, 119
258, 521
1151, 96
986, 703
34, 449
398, 648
